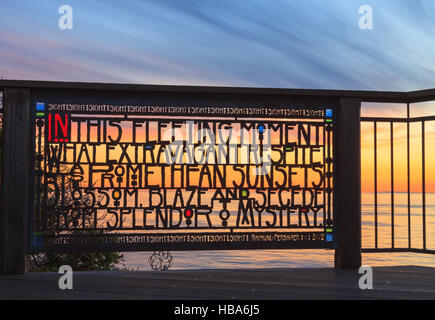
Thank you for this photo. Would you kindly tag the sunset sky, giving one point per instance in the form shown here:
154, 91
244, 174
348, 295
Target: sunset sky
280, 43
400, 149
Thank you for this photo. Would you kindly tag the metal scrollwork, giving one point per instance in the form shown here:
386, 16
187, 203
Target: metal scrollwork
160, 260
141, 178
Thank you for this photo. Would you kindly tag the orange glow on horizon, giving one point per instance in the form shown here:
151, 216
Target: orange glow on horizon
399, 150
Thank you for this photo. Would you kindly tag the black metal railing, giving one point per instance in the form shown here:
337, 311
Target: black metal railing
23, 99
411, 247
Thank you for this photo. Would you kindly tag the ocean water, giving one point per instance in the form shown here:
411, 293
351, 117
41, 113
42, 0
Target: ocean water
325, 258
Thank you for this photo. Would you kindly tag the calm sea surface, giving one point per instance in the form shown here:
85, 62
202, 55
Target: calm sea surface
325, 258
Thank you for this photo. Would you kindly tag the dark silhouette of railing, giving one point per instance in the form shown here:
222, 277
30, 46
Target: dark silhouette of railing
18, 151
408, 120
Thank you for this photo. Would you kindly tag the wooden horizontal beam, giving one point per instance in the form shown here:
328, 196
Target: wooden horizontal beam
370, 96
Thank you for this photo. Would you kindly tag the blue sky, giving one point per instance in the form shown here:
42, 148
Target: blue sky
261, 43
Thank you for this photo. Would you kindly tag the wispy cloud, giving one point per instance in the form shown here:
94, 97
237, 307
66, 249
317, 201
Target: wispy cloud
293, 43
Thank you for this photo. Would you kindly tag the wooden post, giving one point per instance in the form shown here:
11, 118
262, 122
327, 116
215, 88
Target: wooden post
348, 184
16, 182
